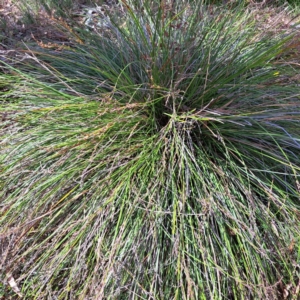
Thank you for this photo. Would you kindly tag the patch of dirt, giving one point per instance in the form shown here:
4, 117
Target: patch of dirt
19, 27
41, 28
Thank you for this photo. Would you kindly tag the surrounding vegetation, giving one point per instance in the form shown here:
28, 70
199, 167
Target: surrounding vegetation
155, 156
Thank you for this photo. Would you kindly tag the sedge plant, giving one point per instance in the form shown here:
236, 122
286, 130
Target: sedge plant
157, 158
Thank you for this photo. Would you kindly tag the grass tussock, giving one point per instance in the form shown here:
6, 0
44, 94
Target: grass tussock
156, 159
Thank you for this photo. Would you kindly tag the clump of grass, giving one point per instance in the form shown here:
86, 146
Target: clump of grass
157, 159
